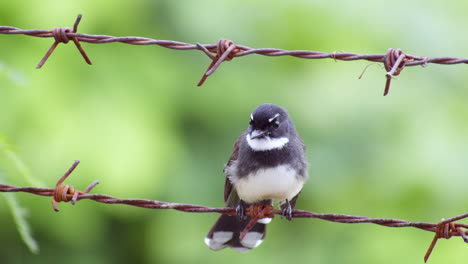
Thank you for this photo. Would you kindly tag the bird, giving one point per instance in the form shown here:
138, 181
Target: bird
268, 163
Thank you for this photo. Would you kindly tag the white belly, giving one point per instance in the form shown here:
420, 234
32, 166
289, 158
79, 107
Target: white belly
274, 183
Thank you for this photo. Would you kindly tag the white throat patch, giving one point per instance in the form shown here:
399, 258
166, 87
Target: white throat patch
266, 143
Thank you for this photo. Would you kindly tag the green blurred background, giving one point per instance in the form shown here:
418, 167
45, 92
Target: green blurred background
142, 128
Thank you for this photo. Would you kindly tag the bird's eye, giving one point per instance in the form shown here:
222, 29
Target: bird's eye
276, 125
251, 122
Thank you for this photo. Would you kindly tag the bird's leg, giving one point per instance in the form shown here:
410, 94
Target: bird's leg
286, 210
287, 207
240, 210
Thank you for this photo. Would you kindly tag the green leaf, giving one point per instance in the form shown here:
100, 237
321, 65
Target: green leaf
19, 215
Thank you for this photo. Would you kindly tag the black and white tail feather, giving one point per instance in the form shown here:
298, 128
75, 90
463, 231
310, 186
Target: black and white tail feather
227, 229
226, 232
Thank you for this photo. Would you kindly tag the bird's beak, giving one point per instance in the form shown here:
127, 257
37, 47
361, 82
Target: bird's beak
258, 134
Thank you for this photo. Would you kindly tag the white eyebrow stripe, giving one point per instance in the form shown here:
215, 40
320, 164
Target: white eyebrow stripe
251, 117
273, 118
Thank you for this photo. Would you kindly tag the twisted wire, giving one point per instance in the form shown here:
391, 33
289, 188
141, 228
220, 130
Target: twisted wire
63, 193
394, 60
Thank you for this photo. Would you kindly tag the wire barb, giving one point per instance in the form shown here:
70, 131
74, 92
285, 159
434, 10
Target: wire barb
394, 62
67, 193
61, 36
256, 212
443, 230
225, 51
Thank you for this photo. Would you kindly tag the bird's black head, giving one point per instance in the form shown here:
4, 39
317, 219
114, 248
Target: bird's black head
269, 128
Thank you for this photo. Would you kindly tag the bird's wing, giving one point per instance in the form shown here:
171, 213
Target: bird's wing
302, 144
230, 194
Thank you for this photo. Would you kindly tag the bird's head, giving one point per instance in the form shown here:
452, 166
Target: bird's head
269, 128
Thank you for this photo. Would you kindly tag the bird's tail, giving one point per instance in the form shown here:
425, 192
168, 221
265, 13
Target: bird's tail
226, 232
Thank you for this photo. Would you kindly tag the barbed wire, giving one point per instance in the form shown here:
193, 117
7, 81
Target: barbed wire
225, 50
446, 228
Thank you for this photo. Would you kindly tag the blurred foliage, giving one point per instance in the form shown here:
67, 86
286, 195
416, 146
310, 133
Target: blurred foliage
7, 157
141, 127
19, 215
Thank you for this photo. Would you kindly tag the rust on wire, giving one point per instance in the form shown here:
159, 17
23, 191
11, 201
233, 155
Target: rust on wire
63, 193
445, 229
67, 193
257, 212
394, 60
61, 36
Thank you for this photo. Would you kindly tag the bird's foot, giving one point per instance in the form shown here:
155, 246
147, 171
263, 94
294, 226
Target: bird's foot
240, 210
286, 210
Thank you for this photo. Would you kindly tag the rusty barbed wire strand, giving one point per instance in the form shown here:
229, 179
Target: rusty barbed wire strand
60, 36
446, 228
394, 60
